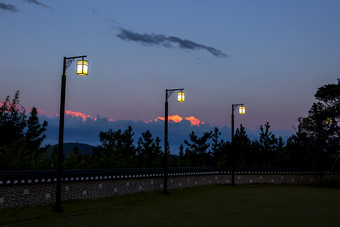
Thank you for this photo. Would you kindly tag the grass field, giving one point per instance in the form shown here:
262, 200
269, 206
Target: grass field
219, 205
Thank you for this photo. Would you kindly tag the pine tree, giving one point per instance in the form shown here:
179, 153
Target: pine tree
20, 138
12, 125
145, 150
181, 156
322, 124
33, 139
242, 154
128, 150
197, 151
269, 147
217, 148
110, 145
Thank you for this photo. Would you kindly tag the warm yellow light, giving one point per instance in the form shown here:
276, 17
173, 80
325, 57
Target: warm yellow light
241, 110
82, 67
329, 120
180, 96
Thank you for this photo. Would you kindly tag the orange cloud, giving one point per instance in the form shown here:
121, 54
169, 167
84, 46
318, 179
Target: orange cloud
43, 112
29, 109
194, 121
150, 121
82, 115
159, 118
78, 114
50, 115
174, 118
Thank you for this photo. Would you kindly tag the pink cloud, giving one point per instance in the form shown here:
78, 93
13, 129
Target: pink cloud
194, 121
176, 118
29, 109
78, 114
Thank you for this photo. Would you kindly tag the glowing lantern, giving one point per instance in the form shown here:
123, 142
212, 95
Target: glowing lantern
82, 67
241, 110
180, 96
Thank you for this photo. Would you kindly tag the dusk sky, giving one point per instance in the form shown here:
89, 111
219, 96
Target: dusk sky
271, 55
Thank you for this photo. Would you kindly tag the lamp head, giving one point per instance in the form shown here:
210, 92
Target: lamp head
82, 67
242, 110
180, 96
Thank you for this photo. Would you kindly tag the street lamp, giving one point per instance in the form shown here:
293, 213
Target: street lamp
82, 69
180, 98
241, 110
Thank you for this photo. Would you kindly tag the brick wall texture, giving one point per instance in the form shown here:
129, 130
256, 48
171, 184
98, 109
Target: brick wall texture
42, 194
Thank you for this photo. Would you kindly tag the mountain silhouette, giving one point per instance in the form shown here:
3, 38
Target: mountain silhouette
69, 147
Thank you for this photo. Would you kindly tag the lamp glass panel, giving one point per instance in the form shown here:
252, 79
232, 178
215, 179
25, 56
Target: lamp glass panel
82, 67
180, 96
242, 110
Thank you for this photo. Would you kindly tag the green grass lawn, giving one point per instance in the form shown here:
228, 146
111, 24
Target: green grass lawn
218, 205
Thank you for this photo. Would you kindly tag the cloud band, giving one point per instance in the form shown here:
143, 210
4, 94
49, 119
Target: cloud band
166, 41
8, 7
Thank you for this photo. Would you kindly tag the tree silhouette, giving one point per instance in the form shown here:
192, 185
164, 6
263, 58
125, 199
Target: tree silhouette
243, 155
322, 124
20, 139
197, 150
269, 146
149, 151
117, 149
33, 138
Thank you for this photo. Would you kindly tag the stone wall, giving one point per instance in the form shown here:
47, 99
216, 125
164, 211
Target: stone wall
41, 194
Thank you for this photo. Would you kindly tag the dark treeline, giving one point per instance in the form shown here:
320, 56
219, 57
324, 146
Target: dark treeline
314, 145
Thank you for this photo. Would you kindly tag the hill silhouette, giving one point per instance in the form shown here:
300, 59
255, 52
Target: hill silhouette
69, 147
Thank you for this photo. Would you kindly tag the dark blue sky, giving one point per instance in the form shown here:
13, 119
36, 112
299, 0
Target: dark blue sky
273, 55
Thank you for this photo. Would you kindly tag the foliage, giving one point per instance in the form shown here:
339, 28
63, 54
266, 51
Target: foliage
315, 143
219, 150
20, 138
149, 152
322, 124
300, 151
33, 139
241, 148
197, 153
117, 149
269, 147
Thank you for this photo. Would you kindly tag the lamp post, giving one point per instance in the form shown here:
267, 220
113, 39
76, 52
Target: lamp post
180, 98
242, 110
82, 69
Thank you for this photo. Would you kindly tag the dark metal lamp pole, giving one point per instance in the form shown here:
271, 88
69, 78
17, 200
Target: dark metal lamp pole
82, 69
180, 98
242, 111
